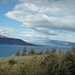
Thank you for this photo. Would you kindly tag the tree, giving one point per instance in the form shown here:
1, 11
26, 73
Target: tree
23, 51
17, 53
31, 51
41, 52
73, 49
53, 50
46, 51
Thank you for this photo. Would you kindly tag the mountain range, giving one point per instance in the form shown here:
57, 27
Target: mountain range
14, 41
58, 42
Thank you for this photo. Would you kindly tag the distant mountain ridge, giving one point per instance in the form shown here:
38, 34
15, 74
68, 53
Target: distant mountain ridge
14, 41
1, 36
58, 42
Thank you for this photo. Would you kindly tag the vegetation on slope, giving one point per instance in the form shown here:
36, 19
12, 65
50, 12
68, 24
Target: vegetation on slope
43, 63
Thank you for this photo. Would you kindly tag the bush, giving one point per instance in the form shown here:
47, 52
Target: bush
11, 62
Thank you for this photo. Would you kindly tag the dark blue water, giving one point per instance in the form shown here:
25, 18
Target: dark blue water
9, 50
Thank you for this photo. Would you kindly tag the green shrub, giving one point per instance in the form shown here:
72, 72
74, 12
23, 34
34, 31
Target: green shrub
11, 62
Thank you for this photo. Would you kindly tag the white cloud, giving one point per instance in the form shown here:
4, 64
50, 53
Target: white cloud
45, 16
6, 31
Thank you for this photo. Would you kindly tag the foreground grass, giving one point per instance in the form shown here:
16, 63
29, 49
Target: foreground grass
21, 65
50, 63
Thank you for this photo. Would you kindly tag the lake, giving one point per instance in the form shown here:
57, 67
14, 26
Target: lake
9, 50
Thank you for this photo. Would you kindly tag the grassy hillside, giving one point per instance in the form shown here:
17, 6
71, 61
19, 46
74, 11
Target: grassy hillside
46, 63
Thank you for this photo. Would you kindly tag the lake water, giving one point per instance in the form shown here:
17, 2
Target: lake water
9, 50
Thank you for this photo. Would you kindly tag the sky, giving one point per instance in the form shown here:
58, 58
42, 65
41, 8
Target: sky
38, 21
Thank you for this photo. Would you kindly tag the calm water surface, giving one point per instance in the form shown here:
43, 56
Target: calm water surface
9, 50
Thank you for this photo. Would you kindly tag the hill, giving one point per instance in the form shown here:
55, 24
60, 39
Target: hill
58, 42
14, 41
